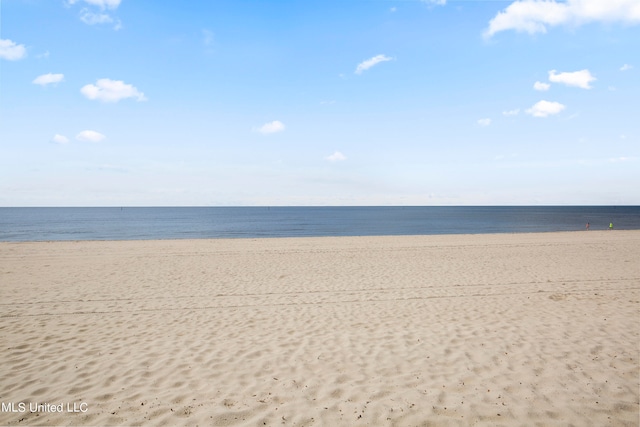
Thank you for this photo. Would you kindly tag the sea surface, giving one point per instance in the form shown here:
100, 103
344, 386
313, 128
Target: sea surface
142, 223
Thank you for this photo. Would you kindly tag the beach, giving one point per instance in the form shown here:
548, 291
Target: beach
492, 329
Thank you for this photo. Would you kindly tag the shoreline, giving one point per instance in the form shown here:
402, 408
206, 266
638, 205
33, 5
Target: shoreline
533, 328
506, 233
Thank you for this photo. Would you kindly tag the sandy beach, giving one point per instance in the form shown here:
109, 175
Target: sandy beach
506, 329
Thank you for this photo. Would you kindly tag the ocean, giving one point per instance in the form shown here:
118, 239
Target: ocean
144, 223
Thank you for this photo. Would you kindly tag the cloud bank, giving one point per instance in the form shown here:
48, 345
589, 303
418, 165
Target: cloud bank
535, 16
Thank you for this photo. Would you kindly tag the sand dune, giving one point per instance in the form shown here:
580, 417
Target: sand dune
511, 329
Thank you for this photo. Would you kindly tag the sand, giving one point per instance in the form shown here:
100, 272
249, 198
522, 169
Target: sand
510, 329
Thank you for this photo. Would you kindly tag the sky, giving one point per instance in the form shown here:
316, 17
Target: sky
319, 102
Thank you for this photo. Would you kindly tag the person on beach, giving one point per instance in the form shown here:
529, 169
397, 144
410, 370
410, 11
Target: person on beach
588, 226
610, 226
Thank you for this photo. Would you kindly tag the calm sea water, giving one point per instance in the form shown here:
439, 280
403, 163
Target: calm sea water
39, 224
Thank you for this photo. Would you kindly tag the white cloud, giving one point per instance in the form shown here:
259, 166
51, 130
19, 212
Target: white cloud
102, 4
107, 90
511, 112
46, 79
12, 51
91, 18
60, 139
393, 9
438, 2
545, 108
272, 127
365, 65
534, 16
484, 122
579, 79
626, 67
541, 86
90, 136
336, 157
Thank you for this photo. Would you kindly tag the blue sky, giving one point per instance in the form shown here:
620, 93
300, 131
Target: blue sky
334, 102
